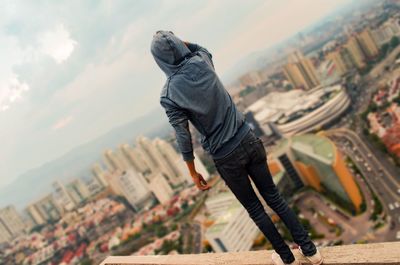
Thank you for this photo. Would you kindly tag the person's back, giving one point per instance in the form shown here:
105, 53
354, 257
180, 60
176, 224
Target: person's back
194, 93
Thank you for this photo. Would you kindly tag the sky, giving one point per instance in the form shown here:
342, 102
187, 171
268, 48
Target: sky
72, 70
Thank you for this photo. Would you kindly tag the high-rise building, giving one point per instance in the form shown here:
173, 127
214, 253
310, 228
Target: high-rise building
164, 165
141, 162
4, 234
316, 161
283, 155
34, 215
356, 52
146, 149
388, 30
62, 197
300, 71
11, 224
219, 203
167, 158
78, 191
115, 161
150, 158
99, 175
233, 230
46, 209
367, 44
135, 159
94, 186
161, 188
159, 157
342, 60
131, 185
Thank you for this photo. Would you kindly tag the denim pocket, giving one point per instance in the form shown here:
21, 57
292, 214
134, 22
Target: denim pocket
259, 146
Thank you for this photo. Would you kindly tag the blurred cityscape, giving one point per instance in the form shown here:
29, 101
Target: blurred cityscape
328, 110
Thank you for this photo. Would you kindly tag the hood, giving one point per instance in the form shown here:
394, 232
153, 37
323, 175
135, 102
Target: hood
168, 51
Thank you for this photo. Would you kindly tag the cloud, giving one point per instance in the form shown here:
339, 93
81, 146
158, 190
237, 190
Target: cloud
11, 91
57, 43
62, 123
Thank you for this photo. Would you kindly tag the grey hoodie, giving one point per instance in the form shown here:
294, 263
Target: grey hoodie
193, 92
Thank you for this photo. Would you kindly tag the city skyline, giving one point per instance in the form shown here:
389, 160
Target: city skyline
323, 104
60, 76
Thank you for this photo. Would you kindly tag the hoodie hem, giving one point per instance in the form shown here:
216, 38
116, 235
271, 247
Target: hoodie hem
234, 142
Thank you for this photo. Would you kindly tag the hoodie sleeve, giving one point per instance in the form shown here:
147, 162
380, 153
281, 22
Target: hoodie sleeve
179, 121
195, 47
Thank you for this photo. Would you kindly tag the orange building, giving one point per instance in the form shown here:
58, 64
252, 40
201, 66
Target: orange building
319, 164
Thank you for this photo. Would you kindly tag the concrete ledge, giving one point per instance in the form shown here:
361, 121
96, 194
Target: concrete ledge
377, 254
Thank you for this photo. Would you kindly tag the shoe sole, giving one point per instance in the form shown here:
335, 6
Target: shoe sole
279, 261
318, 263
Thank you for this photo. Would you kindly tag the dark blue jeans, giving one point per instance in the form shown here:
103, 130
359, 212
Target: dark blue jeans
249, 159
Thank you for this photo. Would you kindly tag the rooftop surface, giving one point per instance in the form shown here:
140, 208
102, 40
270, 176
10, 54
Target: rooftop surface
368, 254
281, 107
319, 145
224, 218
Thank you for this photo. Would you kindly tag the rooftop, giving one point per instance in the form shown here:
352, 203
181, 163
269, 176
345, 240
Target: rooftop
320, 145
316, 144
283, 107
224, 218
367, 254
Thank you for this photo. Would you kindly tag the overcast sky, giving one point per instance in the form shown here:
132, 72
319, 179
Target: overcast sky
72, 70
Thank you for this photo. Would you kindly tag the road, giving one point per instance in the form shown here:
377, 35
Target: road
354, 227
379, 176
388, 61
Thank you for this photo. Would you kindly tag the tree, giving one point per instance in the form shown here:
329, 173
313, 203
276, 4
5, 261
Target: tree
394, 41
86, 261
161, 231
385, 48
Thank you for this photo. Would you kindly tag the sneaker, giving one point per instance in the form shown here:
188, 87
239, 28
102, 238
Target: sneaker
315, 259
276, 259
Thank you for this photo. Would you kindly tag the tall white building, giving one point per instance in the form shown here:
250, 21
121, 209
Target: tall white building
219, 203
160, 156
150, 159
11, 224
46, 209
131, 185
146, 149
94, 186
233, 230
99, 175
161, 188
134, 158
62, 197
4, 234
34, 215
115, 161
78, 191
167, 158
